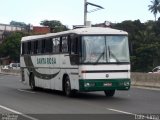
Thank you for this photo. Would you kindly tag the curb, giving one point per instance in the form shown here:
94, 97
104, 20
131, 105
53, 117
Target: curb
3, 73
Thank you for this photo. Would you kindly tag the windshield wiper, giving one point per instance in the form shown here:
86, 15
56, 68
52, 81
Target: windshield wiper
111, 54
99, 57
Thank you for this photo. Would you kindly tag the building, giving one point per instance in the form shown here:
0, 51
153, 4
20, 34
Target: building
5, 29
40, 30
36, 30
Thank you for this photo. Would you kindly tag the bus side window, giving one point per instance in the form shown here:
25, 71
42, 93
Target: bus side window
25, 48
32, 48
43, 46
29, 47
48, 45
74, 45
23, 52
39, 46
35, 47
64, 44
56, 44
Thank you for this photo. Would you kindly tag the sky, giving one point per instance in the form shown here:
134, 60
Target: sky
71, 12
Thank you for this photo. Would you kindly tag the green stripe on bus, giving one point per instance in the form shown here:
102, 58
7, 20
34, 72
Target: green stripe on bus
104, 84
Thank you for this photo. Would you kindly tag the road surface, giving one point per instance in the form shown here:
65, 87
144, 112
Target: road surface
18, 101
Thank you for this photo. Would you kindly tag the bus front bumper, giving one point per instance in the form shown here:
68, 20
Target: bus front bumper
102, 85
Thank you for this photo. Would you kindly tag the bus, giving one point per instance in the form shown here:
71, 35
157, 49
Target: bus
78, 60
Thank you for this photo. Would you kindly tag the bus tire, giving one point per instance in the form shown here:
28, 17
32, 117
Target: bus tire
32, 82
67, 87
109, 93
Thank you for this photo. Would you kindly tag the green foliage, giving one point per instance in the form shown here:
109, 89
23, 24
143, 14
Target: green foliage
11, 46
55, 25
18, 24
144, 41
154, 7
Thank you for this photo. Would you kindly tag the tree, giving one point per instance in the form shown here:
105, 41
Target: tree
11, 46
155, 7
55, 25
18, 24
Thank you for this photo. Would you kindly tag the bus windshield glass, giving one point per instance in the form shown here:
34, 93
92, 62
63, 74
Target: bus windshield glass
105, 49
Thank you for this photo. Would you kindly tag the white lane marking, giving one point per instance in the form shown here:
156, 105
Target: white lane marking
25, 91
16, 112
119, 111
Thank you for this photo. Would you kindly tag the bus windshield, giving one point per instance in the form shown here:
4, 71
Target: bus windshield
105, 49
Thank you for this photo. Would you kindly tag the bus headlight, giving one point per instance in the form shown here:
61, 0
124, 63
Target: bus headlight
89, 84
126, 83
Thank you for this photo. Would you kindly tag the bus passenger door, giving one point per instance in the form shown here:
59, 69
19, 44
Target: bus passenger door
74, 61
55, 66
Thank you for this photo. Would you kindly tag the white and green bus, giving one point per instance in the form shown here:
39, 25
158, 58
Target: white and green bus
84, 59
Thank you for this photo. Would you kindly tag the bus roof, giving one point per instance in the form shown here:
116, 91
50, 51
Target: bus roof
80, 31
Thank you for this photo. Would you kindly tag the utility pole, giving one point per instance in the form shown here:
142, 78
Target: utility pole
85, 12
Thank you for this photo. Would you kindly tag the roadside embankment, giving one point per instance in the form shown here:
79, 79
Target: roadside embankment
146, 79
10, 71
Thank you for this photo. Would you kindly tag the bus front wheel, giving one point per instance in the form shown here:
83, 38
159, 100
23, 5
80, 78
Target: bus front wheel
109, 93
67, 88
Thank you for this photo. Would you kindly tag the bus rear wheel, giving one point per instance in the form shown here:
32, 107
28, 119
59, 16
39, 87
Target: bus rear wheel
32, 82
109, 93
67, 88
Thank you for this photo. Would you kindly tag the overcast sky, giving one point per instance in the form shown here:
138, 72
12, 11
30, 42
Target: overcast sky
70, 12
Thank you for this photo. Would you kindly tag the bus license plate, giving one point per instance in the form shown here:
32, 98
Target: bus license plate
107, 84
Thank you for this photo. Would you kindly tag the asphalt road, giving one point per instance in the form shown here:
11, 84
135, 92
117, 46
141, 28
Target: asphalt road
18, 99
